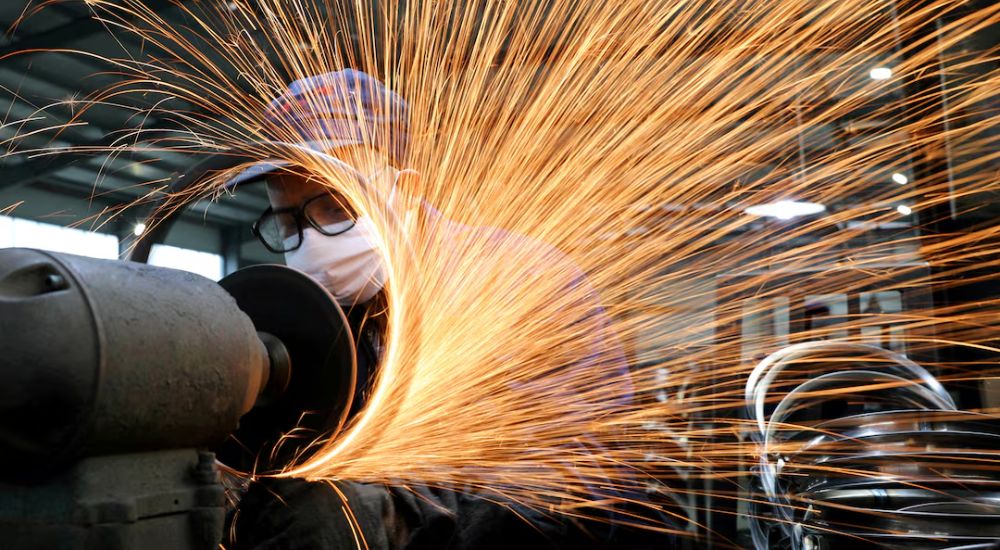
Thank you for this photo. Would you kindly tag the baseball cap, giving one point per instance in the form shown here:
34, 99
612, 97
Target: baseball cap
331, 110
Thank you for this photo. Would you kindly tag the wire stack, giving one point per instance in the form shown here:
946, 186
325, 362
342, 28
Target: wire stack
859, 445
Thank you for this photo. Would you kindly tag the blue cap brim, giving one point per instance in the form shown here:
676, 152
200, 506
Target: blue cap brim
254, 172
261, 169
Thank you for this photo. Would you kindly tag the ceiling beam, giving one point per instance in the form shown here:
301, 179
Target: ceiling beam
73, 31
44, 166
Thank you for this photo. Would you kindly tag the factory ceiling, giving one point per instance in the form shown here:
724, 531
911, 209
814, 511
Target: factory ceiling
48, 87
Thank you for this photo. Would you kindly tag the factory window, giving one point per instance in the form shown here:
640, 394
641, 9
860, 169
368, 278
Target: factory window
205, 264
29, 234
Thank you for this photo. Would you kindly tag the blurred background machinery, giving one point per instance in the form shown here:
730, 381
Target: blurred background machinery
860, 446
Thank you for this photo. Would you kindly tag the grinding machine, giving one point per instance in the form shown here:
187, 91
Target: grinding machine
126, 388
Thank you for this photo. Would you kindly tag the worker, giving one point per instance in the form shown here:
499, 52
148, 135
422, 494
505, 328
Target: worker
321, 234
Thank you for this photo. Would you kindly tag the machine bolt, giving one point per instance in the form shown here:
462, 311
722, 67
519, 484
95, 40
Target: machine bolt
205, 471
55, 281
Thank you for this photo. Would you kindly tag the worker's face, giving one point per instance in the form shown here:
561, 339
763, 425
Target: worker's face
299, 204
288, 190
335, 249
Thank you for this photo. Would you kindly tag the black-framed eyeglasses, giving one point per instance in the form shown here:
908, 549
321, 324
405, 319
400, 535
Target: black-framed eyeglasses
281, 230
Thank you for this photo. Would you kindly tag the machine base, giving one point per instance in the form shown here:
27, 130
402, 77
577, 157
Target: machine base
163, 499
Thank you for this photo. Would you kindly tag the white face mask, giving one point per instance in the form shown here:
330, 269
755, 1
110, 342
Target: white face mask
348, 265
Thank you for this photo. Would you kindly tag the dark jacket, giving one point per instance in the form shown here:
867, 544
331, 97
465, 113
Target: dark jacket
300, 515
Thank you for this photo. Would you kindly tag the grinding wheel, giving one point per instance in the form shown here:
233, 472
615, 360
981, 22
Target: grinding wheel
293, 307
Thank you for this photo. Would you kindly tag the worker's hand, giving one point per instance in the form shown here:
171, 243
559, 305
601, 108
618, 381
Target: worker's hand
293, 514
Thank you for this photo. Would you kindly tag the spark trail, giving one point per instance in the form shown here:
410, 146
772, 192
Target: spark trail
630, 137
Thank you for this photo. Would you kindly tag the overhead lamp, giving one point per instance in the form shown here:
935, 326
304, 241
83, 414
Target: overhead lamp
880, 73
785, 210
904, 210
900, 178
139, 229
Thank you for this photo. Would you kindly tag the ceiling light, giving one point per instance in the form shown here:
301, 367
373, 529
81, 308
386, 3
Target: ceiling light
904, 210
900, 178
139, 229
785, 210
880, 73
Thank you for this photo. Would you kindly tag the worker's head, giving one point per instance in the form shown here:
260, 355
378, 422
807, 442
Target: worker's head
352, 117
